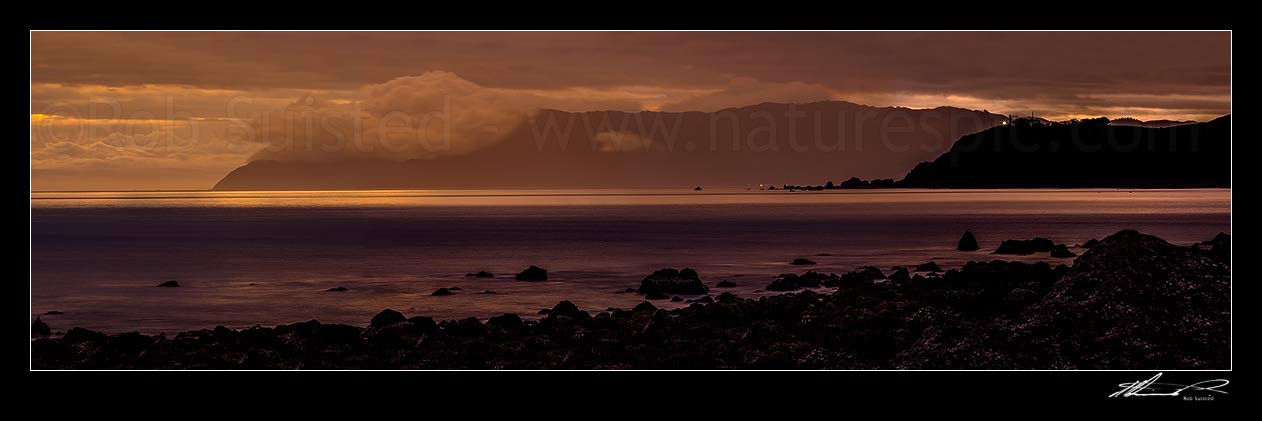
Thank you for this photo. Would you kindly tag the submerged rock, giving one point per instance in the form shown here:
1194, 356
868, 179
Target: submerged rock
481, 274
169, 284
967, 242
337, 289
441, 292
801, 261
671, 281
532, 273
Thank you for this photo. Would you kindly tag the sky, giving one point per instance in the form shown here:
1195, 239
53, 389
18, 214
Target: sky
178, 110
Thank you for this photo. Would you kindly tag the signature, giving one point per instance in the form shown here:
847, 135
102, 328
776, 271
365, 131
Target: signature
1151, 387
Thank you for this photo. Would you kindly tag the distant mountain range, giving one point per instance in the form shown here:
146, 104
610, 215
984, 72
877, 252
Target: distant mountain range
777, 143
1156, 124
1087, 153
768, 143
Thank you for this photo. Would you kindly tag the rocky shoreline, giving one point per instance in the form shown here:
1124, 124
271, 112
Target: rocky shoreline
1131, 301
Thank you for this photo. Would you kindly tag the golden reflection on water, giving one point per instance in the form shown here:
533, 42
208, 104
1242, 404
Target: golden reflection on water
1004, 200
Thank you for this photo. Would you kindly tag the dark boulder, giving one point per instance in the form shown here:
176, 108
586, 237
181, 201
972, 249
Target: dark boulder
77, 334
505, 321
794, 282
1062, 252
533, 273
567, 309
39, 328
337, 289
1220, 247
725, 284
469, 327
644, 306
801, 261
967, 242
864, 276
424, 323
52, 313
1090, 243
928, 267
726, 297
671, 281
1037, 244
441, 292
900, 276
387, 317
481, 274
656, 296
169, 284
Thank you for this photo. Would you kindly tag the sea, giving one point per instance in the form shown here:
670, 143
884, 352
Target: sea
246, 258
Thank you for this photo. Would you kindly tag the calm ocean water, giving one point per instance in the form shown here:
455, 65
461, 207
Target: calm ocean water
246, 258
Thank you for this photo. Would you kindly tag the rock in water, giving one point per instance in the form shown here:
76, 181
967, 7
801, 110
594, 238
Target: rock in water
169, 284
644, 306
725, 284
794, 282
967, 242
800, 261
671, 281
441, 292
337, 289
505, 321
567, 309
1090, 243
656, 296
1037, 244
900, 276
928, 267
1062, 252
533, 273
481, 274
39, 328
387, 317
